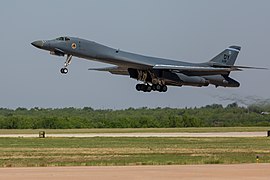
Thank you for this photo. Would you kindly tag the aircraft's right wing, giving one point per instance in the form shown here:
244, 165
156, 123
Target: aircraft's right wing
196, 68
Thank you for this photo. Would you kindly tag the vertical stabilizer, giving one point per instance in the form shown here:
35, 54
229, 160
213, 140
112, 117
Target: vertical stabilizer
227, 57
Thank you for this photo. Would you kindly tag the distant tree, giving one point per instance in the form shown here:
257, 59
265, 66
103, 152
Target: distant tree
233, 105
88, 109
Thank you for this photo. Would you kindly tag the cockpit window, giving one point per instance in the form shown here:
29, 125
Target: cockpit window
60, 39
63, 39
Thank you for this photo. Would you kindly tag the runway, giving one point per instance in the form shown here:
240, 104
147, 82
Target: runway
81, 135
189, 172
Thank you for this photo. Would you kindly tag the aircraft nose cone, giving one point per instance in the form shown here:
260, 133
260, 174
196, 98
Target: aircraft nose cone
38, 44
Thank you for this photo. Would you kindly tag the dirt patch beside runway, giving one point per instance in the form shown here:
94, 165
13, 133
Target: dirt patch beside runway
191, 172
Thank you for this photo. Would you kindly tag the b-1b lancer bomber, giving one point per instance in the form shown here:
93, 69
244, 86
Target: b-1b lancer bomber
155, 73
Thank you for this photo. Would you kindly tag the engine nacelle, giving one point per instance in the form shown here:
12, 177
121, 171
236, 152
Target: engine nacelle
192, 80
220, 80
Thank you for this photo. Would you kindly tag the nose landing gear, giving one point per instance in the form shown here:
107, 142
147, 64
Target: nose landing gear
64, 70
68, 62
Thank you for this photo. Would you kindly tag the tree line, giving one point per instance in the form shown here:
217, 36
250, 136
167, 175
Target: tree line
214, 115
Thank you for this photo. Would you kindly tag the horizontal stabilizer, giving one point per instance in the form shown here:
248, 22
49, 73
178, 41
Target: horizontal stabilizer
237, 67
248, 67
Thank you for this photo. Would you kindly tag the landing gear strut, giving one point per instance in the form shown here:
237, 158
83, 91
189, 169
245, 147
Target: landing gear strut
149, 88
68, 62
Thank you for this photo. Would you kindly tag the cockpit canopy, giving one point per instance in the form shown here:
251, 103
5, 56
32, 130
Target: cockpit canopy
63, 39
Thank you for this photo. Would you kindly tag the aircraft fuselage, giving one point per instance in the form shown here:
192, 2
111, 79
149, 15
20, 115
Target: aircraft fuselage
151, 70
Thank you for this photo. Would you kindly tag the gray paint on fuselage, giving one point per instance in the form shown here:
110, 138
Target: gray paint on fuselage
97, 52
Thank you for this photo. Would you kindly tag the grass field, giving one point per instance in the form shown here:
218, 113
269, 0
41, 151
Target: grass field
139, 130
25, 152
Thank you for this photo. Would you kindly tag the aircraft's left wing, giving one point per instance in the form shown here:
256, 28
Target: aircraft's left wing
214, 70
113, 69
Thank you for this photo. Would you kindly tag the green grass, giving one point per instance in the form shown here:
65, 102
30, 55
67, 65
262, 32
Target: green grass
139, 130
24, 152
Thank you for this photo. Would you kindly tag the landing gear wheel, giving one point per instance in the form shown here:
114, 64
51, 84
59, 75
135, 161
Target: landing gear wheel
143, 87
154, 87
64, 70
164, 88
148, 88
138, 87
158, 87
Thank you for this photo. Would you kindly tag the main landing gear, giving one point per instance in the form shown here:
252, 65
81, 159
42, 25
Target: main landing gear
149, 88
64, 70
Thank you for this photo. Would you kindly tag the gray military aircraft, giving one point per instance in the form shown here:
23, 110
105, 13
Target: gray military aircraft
155, 73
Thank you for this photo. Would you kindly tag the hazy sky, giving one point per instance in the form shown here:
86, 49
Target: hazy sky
189, 30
